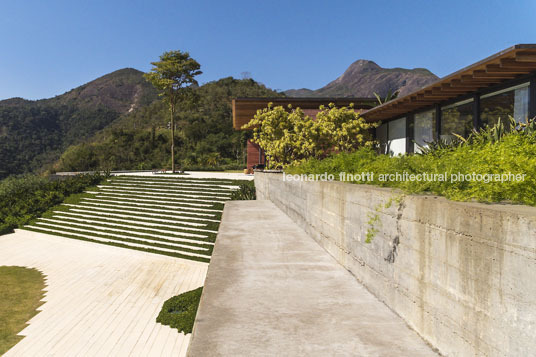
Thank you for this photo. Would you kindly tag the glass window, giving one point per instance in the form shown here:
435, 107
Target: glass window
457, 119
381, 136
397, 137
424, 129
512, 102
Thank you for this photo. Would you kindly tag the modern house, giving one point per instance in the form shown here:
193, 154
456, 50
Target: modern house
244, 109
499, 86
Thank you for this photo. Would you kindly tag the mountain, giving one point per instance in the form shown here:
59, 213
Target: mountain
205, 138
364, 77
33, 134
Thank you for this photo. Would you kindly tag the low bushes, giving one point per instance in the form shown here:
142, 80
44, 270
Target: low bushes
511, 152
179, 311
246, 191
24, 198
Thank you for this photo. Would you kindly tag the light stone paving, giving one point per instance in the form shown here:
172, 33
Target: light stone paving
100, 300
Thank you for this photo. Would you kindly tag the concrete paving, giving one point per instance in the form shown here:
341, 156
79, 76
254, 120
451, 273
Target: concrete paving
272, 290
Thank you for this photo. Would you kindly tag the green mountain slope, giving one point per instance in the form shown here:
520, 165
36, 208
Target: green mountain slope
141, 140
33, 134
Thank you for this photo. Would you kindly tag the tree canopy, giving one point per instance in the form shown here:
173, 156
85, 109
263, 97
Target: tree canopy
173, 76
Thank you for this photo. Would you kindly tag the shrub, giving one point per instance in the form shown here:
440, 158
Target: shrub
26, 197
246, 191
291, 136
179, 311
510, 152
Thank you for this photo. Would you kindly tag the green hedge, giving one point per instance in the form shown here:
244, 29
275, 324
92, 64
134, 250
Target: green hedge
512, 152
179, 311
24, 198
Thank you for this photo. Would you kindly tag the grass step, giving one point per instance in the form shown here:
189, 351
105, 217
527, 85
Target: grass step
161, 195
120, 201
173, 188
166, 190
142, 222
157, 232
137, 218
101, 231
147, 212
168, 252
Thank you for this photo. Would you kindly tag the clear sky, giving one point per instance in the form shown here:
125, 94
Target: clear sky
50, 46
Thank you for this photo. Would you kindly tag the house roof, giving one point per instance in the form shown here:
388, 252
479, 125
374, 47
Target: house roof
511, 63
244, 109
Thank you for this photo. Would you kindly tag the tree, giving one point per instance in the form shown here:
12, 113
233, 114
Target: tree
290, 136
174, 76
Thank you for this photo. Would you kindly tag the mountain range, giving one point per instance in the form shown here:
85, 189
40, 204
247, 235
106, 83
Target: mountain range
364, 78
117, 119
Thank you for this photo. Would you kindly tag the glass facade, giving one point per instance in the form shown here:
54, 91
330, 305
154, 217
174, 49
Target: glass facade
381, 136
397, 137
391, 136
424, 129
457, 119
512, 102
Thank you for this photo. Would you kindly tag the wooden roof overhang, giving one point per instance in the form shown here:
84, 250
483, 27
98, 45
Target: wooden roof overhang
512, 63
244, 109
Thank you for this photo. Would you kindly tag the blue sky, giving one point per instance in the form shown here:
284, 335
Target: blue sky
49, 47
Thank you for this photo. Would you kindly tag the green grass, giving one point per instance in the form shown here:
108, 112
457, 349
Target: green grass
179, 311
21, 290
139, 222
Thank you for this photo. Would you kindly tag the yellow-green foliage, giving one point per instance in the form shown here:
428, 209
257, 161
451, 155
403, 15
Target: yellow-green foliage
511, 153
290, 136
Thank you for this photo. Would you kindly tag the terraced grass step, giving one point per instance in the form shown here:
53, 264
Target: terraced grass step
167, 190
170, 216
153, 203
124, 244
144, 212
137, 214
156, 198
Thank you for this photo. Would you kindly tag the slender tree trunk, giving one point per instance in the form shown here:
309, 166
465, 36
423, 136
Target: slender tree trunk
173, 139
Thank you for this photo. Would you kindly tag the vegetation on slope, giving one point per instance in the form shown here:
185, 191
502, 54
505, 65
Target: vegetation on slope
20, 296
495, 153
33, 134
24, 198
204, 138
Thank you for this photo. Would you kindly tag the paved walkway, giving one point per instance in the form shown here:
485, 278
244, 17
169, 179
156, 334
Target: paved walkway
273, 291
101, 300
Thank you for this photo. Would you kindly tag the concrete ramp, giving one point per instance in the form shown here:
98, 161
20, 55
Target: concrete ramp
271, 290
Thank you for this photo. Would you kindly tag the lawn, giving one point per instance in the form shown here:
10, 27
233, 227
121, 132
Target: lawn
21, 290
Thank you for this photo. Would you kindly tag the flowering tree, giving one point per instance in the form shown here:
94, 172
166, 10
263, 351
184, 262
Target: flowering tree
289, 136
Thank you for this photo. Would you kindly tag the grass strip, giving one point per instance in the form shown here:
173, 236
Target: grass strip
148, 250
114, 228
133, 238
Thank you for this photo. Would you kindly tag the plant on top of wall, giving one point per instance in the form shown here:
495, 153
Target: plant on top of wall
290, 136
499, 156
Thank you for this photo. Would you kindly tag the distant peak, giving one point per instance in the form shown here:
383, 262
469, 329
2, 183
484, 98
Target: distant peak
365, 64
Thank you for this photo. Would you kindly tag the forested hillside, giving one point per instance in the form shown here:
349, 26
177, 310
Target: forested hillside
140, 140
33, 134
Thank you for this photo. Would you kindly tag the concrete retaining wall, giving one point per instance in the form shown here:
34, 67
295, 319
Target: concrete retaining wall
463, 275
